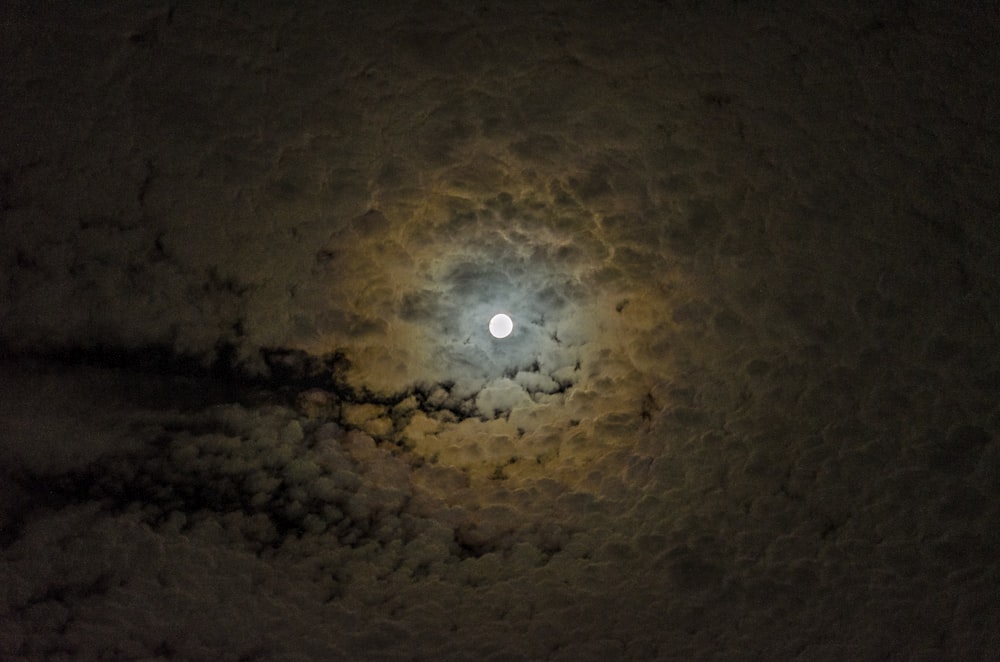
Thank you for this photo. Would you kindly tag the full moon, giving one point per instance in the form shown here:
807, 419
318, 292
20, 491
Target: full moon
501, 325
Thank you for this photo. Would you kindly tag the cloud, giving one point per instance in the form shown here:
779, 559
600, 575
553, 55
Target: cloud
250, 406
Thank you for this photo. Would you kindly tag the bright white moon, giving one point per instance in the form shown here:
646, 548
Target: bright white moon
501, 325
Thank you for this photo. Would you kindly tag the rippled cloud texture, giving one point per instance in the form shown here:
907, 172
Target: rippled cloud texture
251, 408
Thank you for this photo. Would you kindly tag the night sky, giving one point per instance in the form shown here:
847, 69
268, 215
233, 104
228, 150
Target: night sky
250, 408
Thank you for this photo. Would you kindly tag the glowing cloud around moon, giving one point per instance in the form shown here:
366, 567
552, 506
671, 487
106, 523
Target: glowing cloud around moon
501, 325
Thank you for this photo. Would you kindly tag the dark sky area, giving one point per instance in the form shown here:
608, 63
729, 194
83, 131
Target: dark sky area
250, 408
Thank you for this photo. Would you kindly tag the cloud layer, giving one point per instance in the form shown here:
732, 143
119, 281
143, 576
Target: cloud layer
251, 407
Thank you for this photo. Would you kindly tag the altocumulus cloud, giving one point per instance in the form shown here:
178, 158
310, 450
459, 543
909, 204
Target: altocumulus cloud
251, 407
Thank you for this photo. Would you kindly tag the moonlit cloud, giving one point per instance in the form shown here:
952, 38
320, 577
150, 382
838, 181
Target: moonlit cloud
250, 405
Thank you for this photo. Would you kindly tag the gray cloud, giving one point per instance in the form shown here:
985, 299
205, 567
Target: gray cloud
250, 406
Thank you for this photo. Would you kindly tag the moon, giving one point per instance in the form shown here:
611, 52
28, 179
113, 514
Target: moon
501, 325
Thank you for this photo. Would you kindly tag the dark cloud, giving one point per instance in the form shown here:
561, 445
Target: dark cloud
250, 408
